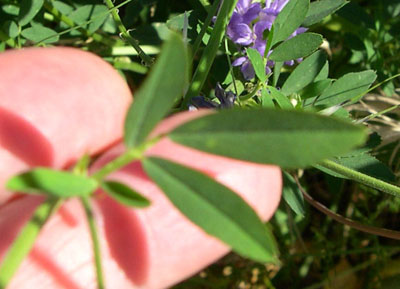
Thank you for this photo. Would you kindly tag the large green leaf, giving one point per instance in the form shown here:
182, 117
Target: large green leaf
304, 73
347, 87
320, 9
51, 182
289, 19
289, 139
163, 86
299, 46
215, 208
28, 10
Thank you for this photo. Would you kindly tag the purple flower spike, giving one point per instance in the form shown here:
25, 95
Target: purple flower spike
241, 30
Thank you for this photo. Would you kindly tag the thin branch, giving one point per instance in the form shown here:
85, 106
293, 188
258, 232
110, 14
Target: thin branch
349, 222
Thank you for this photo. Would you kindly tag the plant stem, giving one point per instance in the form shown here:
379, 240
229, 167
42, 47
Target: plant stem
252, 93
207, 59
362, 178
129, 156
148, 61
203, 30
25, 240
345, 221
95, 241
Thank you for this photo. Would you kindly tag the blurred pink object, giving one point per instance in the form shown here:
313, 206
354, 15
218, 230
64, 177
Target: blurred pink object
56, 104
150, 248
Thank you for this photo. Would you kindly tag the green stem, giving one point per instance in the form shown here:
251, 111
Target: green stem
128, 50
25, 240
228, 58
131, 66
252, 93
95, 240
207, 59
362, 178
58, 15
345, 221
203, 30
126, 158
382, 112
148, 61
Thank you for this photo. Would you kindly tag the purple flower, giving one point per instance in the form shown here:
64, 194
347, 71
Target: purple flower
241, 30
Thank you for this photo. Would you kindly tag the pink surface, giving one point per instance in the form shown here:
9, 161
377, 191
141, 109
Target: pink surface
9, 166
148, 248
56, 104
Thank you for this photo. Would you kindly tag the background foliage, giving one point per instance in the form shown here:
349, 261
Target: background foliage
316, 251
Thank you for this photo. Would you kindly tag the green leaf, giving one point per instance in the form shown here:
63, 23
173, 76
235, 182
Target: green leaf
277, 72
177, 23
96, 13
320, 9
315, 89
304, 73
11, 29
266, 99
290, 139
299, 46
324, 73
289, 19
345, 88
258, 63
125, 195
10, 9
280, 98
215, 208
51, 182
39, 33
28, 10
292, 195
163, 86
